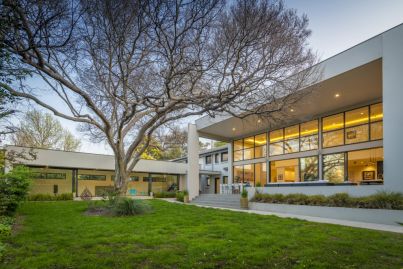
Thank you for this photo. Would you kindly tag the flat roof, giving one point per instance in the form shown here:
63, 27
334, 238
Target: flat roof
81, 160
356, 74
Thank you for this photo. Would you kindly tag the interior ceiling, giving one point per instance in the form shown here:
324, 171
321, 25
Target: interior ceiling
357, 86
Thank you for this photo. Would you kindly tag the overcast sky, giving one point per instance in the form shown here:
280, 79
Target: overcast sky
336, 26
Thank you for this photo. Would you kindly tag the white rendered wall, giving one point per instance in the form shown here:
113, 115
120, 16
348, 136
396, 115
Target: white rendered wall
193, 162
230, 163
393, 108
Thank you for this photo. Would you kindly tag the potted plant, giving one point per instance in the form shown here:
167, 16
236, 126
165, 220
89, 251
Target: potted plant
185, 196
244, 199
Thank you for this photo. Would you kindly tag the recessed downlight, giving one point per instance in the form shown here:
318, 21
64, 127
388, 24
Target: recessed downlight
337, 95
233, 129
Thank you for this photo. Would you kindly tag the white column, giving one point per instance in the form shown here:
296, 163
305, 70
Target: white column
192, 178
392, 82
230, 162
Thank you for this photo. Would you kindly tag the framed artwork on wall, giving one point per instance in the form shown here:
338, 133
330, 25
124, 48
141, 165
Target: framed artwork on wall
368, 175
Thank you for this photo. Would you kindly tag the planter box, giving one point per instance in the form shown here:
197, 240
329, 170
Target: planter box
244, 203
379, 216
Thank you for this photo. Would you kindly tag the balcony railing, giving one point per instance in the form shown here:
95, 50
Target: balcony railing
234, 188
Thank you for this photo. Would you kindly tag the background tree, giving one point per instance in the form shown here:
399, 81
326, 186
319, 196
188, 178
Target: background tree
42, 130
124, 68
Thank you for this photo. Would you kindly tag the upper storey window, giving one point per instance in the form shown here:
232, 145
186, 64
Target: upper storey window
354, 126
250, 147
299, 137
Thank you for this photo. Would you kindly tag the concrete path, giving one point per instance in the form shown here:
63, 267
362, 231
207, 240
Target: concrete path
356, 224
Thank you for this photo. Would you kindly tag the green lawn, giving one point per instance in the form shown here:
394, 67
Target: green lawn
58, 235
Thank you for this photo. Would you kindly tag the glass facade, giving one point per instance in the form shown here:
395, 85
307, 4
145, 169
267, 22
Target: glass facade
284, 171
250, 174
296, 138
295, 170
365, 165
354, 126
252, 147
333, 167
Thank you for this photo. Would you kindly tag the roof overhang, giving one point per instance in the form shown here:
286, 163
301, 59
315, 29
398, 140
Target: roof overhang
81, 160
355, 74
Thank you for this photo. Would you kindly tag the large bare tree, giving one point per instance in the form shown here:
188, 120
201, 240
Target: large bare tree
123, 68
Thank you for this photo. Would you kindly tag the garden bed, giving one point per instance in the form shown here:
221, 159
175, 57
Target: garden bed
378, 216
380, 200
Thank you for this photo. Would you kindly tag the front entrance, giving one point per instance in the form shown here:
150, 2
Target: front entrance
217, 185
209, 182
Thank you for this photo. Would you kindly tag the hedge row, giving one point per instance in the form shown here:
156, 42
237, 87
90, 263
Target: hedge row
165, 194
50, 197
380, 200
6, 223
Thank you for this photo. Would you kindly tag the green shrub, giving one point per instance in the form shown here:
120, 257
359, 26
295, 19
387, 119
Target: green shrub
6, 223
339, 199
110, 195
5, 231
180, 196
165, 194
50, 197
14, 188
381, 200
65, 196
244, 193
258, 184
41, 197
7, 220
128, 207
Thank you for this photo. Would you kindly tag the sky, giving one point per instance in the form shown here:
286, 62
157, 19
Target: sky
335, 25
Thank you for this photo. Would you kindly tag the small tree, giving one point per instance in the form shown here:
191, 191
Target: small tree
124, 68
14, 188
42, 130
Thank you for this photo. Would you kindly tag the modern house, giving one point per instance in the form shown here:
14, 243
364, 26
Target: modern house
56, 171
345, 135
213, 169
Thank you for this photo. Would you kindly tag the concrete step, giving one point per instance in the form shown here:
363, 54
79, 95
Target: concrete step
218, 200
234, 206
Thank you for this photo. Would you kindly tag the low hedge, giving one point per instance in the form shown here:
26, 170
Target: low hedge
6, 223
50, 197
380, 200
165, 194
180, 195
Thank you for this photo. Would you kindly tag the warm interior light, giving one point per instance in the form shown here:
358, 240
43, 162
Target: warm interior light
233, 129
292, 110
337, 95
259, 121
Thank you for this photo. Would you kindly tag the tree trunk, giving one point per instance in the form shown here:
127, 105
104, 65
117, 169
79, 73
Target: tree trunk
121, 175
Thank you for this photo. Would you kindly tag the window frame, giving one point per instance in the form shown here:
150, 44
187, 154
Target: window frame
217, 158
222, 159
91, 177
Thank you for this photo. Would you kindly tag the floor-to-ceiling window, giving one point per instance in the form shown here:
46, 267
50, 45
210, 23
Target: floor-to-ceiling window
296, 138
250, 173
309, 168
252, 147
354, 126
333, 167
365, 165
284, 171
295, 170
260, 174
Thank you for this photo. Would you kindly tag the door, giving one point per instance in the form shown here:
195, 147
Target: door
217, 185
